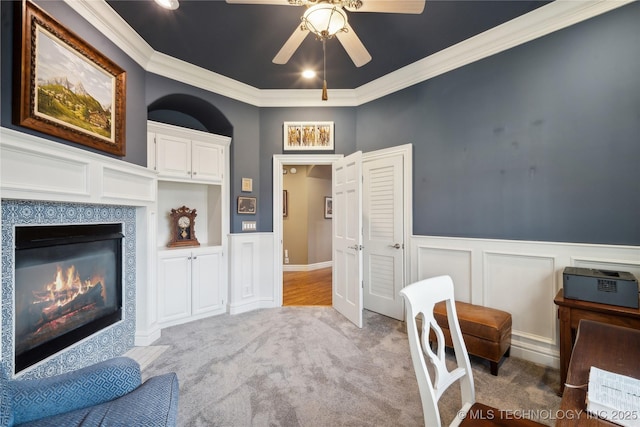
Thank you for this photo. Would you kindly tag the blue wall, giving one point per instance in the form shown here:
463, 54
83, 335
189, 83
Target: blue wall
539, 143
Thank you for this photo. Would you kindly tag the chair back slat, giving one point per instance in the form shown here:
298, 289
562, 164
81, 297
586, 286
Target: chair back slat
421, 298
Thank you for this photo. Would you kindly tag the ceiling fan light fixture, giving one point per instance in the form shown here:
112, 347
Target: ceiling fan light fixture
309, 74
324, 20
168, 4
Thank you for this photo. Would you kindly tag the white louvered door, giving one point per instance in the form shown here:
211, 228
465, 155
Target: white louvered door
383, 241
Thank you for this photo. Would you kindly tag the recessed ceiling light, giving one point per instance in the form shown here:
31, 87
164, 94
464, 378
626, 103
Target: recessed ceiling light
308, 74
168, 4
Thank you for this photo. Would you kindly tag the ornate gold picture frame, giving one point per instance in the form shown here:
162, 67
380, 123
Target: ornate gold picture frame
68, 89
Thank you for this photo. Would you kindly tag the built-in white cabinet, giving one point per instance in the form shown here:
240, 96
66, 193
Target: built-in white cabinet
184, 154
192, 169
190, 284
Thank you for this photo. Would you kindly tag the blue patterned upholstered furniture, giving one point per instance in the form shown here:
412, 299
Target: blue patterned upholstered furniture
109, 393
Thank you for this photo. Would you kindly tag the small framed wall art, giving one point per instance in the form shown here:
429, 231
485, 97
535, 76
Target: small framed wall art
247, 185
247, 205
328, 207
308, 136
285, 203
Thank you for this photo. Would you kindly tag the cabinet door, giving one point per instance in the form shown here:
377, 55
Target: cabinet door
173, 156
207, 161
174, 287
206, 282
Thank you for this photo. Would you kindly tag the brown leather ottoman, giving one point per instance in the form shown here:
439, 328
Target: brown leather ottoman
486, 331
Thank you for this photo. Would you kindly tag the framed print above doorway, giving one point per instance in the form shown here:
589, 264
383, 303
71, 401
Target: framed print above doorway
308, 136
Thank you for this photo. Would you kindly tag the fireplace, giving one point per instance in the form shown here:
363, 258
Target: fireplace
68, 286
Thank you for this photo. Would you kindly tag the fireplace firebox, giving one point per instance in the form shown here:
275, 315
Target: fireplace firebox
68, 285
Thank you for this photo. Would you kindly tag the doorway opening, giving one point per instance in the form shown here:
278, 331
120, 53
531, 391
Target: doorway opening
301, 263
306, 235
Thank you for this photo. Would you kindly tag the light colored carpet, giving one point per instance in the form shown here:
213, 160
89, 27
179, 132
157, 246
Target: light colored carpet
309, 366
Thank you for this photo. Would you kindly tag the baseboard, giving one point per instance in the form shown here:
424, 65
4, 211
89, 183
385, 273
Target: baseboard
307, 267
250, 305
531, 355
143, 340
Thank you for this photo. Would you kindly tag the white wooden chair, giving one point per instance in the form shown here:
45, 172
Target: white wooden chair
421, 298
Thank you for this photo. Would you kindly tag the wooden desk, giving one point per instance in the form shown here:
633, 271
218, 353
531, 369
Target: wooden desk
571, 311
613, 348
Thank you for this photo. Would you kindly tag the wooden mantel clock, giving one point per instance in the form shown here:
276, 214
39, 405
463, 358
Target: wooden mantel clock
183, 231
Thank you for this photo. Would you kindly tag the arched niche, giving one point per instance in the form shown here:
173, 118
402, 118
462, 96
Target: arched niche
190, 112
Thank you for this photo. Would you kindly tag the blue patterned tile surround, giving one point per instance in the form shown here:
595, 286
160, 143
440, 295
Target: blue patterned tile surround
112, 341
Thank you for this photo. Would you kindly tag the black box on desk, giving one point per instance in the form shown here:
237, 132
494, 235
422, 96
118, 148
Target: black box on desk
602, 286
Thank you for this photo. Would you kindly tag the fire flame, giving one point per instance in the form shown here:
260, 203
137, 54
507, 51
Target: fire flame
66, 287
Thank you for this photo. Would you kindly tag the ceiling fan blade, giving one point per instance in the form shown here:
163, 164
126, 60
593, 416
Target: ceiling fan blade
390, 6
267, 2
354, 47
290, 46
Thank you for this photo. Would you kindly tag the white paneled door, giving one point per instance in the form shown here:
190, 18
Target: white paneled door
347, 237
383, 234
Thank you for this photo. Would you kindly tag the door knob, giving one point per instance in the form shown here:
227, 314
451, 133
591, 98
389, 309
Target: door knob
396, 246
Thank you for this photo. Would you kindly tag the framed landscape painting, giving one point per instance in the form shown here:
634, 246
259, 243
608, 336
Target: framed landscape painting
308, 136
68, 89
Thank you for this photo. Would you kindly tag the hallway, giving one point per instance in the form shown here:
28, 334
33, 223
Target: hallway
307, 287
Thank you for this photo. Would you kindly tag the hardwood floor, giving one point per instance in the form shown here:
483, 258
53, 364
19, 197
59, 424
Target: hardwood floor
307, 287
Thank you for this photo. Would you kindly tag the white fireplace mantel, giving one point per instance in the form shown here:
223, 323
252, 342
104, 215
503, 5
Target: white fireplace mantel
34, 168
37, 169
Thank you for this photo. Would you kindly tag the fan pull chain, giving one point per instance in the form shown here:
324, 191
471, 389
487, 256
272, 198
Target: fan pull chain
324, 71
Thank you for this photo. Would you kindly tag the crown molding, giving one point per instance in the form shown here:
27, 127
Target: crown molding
540, 22
111, 25
176, 69
552, 17
307, 98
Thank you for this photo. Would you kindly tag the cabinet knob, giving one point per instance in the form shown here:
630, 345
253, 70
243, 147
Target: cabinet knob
195, 173
195, 257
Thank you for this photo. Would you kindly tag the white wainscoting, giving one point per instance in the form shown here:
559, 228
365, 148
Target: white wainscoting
520, 277
251, 272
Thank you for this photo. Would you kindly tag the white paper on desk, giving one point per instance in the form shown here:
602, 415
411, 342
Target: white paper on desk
614, 397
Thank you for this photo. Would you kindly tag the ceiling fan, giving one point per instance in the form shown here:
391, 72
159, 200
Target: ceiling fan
327, 18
